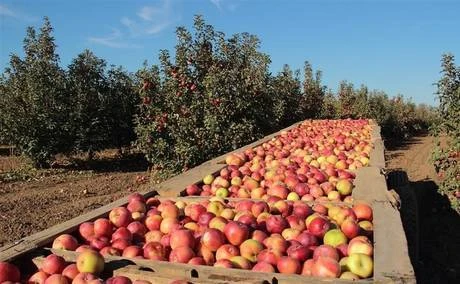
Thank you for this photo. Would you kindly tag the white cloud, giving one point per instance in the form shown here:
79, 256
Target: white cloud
114, 40
149, 20
217, 3
8, 12
5, 11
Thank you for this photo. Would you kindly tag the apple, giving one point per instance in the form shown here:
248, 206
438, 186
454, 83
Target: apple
307, 239
194, 211
349, 276
259, 235
103, 227
276, 242
296, 222
213, 239
109, 250
65, 242
325, 267
155, 251
9, 272
250, 249
269, 256
170, 211
215, 207
84, 278
288, 265
133, 251
360, 244
122, 233
363, 211
307, 266
299, 252
224, 263
241, 262
53, 264
301, 210
263, 267
208, 179
120, 244
334, 238
182, 254
118, 280
168, 225
137, 206
37, 278
276, 224
57, 279
318, 227
366, 227
86, 230
325, 251
290, 233
360, 264
120, 217
153, 222
259, 207
207, 254
227, 251
182, 237
197, 260
349, 228
90, 261
344, 187
236, 232
193, 189
99, 243
342, 250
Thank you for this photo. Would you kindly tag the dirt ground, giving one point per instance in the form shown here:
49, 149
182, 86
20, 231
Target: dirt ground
436, 251
49, 197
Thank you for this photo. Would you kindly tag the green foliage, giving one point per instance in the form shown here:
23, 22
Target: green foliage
33, 99
313, 99
103, 104
446, 158
207, 101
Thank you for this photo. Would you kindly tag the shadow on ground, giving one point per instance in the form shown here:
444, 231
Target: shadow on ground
125, 163
432, 229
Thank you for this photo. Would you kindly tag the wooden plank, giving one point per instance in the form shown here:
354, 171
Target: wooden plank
391, 261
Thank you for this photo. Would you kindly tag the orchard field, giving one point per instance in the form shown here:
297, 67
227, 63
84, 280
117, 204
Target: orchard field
86, 134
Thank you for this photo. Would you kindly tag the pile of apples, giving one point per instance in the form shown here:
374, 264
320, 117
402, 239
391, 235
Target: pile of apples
55, 270
313, 161
290, 237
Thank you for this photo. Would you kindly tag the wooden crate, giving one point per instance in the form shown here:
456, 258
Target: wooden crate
391, 258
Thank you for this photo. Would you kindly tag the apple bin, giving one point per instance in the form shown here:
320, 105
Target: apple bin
295, 206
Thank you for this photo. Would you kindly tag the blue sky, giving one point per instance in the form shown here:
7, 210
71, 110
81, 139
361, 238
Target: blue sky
394, 45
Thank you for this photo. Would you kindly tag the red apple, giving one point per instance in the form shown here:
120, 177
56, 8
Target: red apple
250, 249
57, 279
86, 231
288, 265
120, 217
213, 239
224, 263
153, 222
227, 251
133, 251
103, 227
269, 256
326, 267
363, 211
118, 280
325, 251
181, 254
122, 233
263, 267
37, 278
9, 272
299, 252
66, 242
318, 227
155, 251
236, 232
53, 264
276, 224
